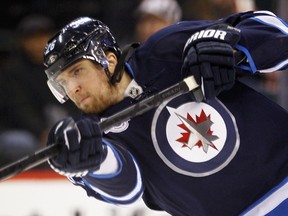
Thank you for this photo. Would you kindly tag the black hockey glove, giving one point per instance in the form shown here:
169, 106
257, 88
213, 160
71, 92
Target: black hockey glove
81, 148
209, 56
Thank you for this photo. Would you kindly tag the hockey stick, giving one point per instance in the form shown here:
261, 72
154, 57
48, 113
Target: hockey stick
30, 161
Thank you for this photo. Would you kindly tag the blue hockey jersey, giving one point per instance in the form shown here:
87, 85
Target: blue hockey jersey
216, 157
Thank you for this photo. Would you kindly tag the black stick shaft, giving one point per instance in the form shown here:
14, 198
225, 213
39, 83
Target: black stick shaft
141, 107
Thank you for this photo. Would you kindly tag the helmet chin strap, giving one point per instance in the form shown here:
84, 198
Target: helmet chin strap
118, 72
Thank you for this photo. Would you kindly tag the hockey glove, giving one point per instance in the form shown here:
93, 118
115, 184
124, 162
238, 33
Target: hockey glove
209, 56
81, 148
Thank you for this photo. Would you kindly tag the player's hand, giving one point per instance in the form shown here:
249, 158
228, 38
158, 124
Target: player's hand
81, 147
209, 56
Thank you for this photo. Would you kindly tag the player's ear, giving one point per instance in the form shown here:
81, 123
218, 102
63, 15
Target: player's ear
112, 59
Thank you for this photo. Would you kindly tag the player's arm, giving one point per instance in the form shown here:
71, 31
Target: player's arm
264, 39
104, 168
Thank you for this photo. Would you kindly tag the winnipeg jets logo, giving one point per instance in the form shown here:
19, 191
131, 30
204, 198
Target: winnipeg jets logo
201, 139
117, 128
198, 133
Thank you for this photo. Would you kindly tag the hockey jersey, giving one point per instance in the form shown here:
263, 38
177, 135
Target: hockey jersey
217, 157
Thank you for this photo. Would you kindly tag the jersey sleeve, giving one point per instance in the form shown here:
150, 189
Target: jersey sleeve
121, 187
264, 39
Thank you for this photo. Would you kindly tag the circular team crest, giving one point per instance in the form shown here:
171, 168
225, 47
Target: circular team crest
201, 138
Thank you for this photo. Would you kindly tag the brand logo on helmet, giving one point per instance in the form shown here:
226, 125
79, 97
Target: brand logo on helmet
52, 58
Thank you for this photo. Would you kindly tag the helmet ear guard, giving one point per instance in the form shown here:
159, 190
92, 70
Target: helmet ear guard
118, 72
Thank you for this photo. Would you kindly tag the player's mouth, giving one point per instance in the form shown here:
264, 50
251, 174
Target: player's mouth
83, 99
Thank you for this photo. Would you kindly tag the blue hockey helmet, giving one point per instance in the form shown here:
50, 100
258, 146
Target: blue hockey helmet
82, 38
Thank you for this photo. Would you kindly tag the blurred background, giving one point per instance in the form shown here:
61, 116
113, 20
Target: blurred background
120, 16
28, 109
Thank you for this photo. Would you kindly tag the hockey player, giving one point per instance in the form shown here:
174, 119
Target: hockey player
219, 156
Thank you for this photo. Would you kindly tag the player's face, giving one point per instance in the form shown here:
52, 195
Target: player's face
87, 85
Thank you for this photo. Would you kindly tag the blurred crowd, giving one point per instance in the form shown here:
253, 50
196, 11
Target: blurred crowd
28, 109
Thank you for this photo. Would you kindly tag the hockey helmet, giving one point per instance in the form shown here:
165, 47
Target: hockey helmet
82, 38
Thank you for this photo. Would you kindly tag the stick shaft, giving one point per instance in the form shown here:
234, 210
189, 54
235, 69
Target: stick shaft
30, 161
189, 84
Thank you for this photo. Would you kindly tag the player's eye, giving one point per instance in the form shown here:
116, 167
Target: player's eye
77, 72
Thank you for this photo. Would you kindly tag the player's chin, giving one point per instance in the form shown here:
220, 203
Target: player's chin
87, 109
91, 108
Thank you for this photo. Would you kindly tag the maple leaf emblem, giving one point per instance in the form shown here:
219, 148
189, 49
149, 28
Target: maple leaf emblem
197, 132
